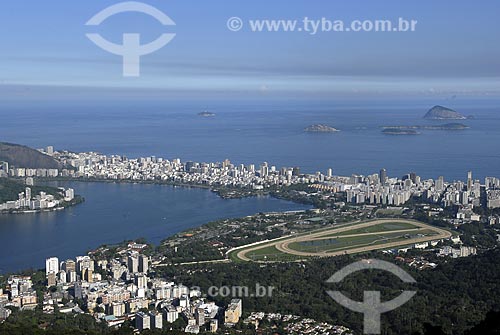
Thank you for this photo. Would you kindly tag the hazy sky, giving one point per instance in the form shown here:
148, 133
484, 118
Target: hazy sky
454, 50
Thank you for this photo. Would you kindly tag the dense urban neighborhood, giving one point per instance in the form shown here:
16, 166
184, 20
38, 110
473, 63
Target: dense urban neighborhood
135, 285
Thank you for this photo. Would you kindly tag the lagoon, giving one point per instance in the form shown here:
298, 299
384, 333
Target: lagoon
114, 212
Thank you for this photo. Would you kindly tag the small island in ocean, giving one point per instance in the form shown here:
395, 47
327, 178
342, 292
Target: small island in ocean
447, 126
320, 128
400, 131
206, 114
443, 113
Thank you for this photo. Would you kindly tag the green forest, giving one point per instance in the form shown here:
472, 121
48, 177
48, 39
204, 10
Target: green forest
451, 299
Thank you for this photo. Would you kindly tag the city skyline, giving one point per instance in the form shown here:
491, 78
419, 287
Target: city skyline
250, 167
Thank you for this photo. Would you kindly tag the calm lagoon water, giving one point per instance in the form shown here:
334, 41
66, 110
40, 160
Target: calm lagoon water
116, 212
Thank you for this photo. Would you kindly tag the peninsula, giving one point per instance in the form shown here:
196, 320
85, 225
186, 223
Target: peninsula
18, 197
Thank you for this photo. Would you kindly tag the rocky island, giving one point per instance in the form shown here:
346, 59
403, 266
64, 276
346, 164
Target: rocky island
206, 114
320, 128
447, 126
400, 131
443, 113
